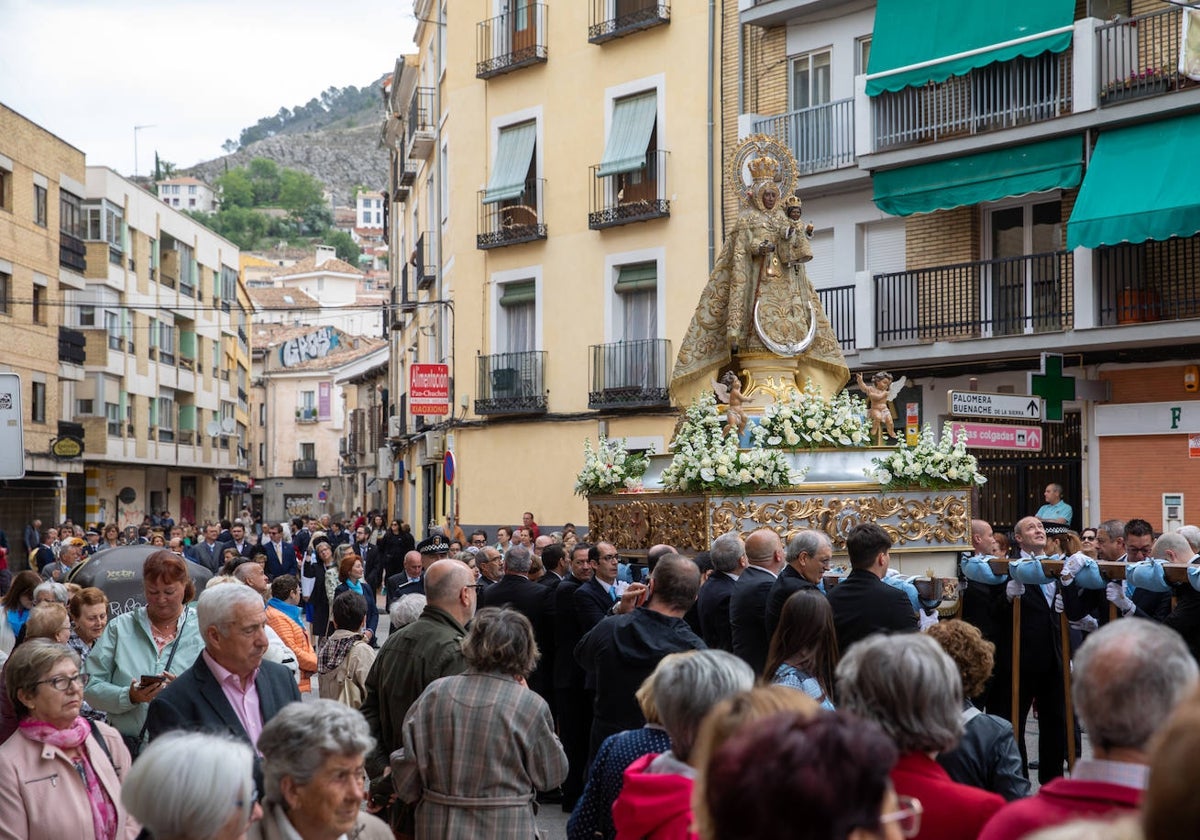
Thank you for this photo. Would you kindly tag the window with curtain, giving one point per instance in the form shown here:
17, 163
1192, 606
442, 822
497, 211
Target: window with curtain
633, 360
518, 310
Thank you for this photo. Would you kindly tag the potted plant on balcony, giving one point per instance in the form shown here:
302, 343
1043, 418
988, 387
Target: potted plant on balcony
1146, 82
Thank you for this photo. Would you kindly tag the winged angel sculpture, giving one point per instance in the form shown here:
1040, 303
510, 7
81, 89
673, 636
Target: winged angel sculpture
880, 409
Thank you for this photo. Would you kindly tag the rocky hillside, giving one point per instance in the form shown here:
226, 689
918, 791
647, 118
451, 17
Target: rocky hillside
338, 158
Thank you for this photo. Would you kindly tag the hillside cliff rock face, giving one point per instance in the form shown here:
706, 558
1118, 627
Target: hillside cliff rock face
338, 158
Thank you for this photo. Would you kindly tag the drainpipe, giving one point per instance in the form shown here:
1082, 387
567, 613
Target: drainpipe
712, 35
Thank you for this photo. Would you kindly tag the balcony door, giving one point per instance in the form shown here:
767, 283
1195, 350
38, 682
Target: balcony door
810, 127
521, 15
633, 361
1022, 286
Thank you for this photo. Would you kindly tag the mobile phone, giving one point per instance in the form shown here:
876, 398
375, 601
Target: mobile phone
149, 680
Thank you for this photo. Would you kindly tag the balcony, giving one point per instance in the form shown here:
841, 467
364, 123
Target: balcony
630, 374
407, 174
512, 221
306, 414
838, 303
512, 383
611, 19
72, 252
421, 125
999, 96
511, 41
821, 138
1148, 281
424, 261
982, 299
72, 346
304, 468
1138, 57
635, 196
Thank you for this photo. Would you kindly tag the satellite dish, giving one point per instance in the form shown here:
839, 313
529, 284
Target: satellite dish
212, 428
228, 426
127, 496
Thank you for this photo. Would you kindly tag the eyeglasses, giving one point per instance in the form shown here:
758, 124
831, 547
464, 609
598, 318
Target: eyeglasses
1088, 538
62, 683
243, 803
1141, 552
475, 586
610, 556
907, 818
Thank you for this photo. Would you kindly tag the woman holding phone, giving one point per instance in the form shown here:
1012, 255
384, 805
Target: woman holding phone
142, 650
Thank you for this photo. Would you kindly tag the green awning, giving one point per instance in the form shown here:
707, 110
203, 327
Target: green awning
514, 151
629, 135
987, 176
187, 344
187, 418
1138, 186
637, 278
516, 294
915, 43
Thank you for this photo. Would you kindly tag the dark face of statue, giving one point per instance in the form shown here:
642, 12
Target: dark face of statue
769, 197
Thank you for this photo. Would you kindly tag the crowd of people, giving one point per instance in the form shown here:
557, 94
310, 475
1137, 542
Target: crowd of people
332, 681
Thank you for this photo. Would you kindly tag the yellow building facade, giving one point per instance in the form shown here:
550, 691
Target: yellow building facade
553, 195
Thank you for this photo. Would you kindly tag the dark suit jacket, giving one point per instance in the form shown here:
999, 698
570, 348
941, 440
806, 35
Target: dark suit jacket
537, 604
747, 606
397, 586
863, 604
209, 558
194, 701
277, 565
592, 602
247, 549
787, 584
567, 633
550, 580
713, 609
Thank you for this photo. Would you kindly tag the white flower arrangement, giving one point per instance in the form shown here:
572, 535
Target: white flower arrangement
806, 420
931, 465
706, 457
610, 468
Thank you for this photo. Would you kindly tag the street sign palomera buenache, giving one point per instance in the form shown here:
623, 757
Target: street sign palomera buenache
996, 406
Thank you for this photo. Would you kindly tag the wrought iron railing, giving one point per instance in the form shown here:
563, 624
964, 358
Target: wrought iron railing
611, 19
982, 299
513, 221
1147, 281
72, 346
1138, 56
425, 261
838, 303
635, 196
820, 137
511, 383
511, 41
72, 252
301, 467
1000, 95
630, 374
306, 414
419, 126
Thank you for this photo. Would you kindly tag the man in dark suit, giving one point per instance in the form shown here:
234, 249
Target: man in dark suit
232, 620
281, 554
595, 598
862, 603
728, 557
748, 604
536, 603
237, 540
301, 535
554, 560
408, 582
808, 556
208, 551
572, 696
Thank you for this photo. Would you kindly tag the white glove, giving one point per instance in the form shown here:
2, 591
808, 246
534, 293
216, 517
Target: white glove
1087, 624
1071, 567
926, 620
1014, 589
1115, 592
1058, 603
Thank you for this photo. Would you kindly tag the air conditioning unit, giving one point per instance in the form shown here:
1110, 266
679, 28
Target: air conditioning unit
395, 426
384, 464
433, 446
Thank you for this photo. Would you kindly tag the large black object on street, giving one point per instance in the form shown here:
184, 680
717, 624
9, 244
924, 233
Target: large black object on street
118, 572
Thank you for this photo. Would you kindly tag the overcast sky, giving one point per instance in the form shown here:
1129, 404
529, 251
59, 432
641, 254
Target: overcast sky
198, 71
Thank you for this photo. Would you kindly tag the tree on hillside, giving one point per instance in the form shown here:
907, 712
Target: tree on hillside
237, 190
264, 176
347, 249
298, 191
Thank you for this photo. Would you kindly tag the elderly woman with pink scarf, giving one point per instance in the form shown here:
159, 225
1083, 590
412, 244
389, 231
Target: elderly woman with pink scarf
60, 775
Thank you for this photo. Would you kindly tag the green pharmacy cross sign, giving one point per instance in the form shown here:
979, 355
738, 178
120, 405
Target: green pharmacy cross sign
1052, 386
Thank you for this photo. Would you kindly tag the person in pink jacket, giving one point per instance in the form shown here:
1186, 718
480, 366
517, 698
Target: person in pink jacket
60, 775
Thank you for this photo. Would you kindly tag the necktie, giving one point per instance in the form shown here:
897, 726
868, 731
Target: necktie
612, 590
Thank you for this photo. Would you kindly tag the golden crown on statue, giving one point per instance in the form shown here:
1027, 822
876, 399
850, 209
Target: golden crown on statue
763, 168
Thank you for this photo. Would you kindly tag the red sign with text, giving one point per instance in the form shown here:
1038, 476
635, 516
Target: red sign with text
429, 389
1001, 436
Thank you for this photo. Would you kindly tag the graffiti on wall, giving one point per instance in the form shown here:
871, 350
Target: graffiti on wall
313, 345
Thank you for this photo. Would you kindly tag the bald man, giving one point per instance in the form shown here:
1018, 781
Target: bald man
748, 604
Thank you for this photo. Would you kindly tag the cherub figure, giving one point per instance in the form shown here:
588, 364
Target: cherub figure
880, 410
729, 393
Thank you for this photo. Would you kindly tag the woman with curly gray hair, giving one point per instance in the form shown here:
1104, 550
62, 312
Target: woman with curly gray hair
313, 775
909, 686
478, 746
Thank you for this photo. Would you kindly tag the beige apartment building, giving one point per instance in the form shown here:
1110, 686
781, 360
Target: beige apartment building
553, 219
42, 257
991, 186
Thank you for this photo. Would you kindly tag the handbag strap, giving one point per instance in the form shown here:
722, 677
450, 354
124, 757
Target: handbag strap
170, 658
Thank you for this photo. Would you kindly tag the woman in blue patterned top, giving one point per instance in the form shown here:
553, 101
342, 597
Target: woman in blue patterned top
804, 651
